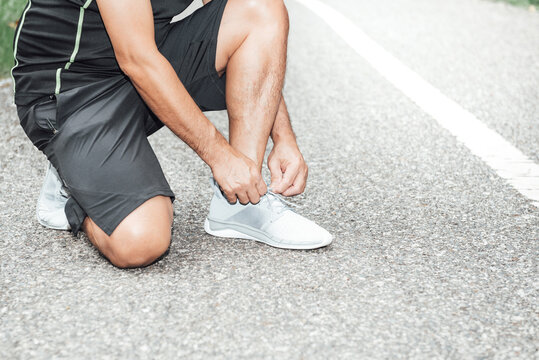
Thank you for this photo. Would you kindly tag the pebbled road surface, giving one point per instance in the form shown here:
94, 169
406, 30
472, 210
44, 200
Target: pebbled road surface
435, 255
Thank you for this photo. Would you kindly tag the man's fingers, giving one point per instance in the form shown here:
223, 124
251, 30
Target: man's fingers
298, 186
276, 175
261, 187
254, 196
231, 197
243, 198
289, 177
296, 189
292, 190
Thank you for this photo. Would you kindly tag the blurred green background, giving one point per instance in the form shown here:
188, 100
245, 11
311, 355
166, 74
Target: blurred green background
523, 2
10, 11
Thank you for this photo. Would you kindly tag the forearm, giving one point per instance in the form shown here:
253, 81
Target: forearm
286, 163
282, 128
158, 84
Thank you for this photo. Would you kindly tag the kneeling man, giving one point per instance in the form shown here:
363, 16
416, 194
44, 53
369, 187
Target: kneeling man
94, 78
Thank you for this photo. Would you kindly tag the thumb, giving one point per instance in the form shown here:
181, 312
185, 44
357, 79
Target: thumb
276, 175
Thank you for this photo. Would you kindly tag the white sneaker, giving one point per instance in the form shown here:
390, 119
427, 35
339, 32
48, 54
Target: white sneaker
270, 221
52, 200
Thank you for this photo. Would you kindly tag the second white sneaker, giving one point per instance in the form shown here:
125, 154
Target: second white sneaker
52, 200
270, 221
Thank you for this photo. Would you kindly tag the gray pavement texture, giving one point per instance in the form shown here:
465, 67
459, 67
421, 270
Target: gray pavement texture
435, 256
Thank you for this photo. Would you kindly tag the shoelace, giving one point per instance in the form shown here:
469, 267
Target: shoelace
277, 204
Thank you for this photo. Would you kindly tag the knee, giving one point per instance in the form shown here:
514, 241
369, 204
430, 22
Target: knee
267, 13
139, 247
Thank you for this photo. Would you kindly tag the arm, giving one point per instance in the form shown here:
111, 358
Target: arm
129, 24
282, 129
288, 169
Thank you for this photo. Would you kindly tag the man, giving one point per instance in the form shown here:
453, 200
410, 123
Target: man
94, 78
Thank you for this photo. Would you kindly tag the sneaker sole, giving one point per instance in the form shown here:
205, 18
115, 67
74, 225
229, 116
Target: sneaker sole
53, 227
257, 235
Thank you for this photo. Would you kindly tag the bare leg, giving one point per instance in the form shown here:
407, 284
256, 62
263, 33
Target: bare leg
141, 238
252, 46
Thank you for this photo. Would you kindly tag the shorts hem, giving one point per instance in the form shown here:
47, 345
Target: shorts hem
111, 225
133, 206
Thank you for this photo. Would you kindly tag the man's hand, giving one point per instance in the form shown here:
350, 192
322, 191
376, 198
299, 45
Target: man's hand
130, 26
288, 169
287, 166
239, 177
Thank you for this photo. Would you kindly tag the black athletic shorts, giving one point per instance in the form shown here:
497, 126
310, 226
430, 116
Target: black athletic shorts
96, 135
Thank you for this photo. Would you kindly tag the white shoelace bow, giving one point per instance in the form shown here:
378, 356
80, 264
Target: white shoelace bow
277, 204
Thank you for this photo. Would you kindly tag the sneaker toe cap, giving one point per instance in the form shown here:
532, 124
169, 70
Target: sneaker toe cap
296, 229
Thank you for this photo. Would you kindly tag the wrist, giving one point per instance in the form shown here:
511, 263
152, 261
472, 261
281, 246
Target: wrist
283, 137
215, 149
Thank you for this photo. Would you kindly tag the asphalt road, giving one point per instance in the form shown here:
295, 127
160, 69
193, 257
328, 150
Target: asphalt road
435, 255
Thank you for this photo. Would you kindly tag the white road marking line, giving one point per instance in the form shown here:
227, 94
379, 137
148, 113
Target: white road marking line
508, 162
